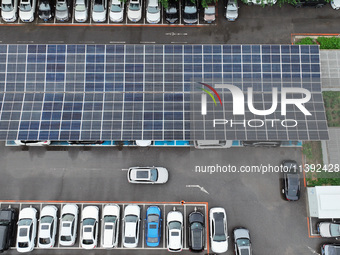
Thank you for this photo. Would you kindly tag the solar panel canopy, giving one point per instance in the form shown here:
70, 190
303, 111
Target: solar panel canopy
153, 92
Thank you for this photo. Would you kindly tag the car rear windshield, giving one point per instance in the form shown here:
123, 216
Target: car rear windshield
152, 239
130, 240
65, 238
44, 240
243, 242
335, 230
23, 244
87, 241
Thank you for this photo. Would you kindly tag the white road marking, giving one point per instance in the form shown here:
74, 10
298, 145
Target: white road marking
55, 41
197, 186
146, 42
25, 41
180, 42
125, 169
117, 42
178, 34
312, 250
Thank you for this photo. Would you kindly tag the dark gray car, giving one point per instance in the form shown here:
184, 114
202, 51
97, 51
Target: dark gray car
291, 180
242, 241
196, 231
330, 249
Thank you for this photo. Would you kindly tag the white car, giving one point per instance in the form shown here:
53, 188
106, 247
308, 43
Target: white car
210, 13
81, 10
153, 11
174, 231
27, 229
231, 10
218, 230
68, 225
47, 226
131, 226
117, 11
110, 225
32, 143
89, 228
329, 229
27, 10
134, 12
335, 4
148, 175
99, 10
9, 10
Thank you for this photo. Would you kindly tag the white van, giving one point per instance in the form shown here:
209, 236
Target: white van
27, 10
81, 10
212, 144
9, 10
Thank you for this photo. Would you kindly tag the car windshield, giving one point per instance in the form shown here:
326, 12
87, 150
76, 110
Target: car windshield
175, 225
154, 175
134, 7
242, 242
65, 238
61, 6
44, 7
171, 10
190, 9
98, 8
232, 7
153, 218
130, 218
110, 218
116, 8
89, 221
210, 10
25, 7
25, 222
335, 229
46, 219
80, 7
130, 239
67, 217
153, 9
44, 240
7, 7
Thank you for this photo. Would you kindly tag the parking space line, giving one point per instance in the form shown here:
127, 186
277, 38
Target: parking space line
164, 226
185, 226
143, 230
310, 235
80, 225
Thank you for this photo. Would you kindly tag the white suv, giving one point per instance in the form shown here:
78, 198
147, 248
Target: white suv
110, 225
148, 175
68, 225
174, 231
81, 10
47, 226
153, 12
131, 226
27, 229
218, 230
134, 12
9, 10
89, 228
27, 10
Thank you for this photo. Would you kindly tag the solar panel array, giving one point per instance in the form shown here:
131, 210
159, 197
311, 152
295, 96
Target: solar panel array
150, 92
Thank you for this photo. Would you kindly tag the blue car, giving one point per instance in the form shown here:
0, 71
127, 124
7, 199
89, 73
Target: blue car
153, 226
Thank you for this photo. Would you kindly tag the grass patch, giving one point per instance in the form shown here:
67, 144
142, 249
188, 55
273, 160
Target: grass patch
313, 153
306, 41
329, 43
332, 106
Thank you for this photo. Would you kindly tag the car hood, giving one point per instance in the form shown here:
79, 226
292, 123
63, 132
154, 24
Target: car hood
209, 17
232, 14
27, 213
336, 3
175, 216
99, 16
25, 15
219, 247
324, 229
81, 15
133, 210
163, 175
69, 209
111, 210
196, 217
116, 16
48, 211
61, 14
154, 17
135, 14
90, 212
8, 15
241, 233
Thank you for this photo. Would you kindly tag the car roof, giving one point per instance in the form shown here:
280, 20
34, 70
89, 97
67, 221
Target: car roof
219, 223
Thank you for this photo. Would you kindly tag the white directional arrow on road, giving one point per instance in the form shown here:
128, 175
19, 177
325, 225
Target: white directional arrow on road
198, 186
173, 33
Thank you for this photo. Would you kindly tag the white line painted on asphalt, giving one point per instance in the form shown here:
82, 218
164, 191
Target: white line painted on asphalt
55, 41
85, 42
117, 42
146, 42
125, 169
178, 34
312, 250
25, 41
197, 186
180, 42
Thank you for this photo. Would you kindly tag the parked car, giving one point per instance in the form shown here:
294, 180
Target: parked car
196, 231
329, 229
174, 231
32, 143
330, 249
68, 225
153, 13
242, 241
27, 229
131, 226
218, 230
153, 223
262, 2
99, 10
172, 12
110, 225
81, 10
209, 13
269, 144
117, 11
62, 10
190, 12
9, 10
134, 12
45, 10
26, 11
89, 228
7, 222
148, 175
335, 4
291, 180
231, 10
309, 3
47, 226
84, 142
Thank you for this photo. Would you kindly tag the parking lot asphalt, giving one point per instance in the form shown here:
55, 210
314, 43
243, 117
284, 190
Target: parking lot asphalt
252, 200
255, 25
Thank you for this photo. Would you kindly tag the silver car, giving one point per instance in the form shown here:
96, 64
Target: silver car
209, 14
329, 229
99, 10
231, 10
147, 175
242, 241
62, 12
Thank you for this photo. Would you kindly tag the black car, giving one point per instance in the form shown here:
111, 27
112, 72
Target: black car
330, 249
45, 10
261, 143
7, 223
291, 180
190, 12
196, 231
85, 142
172, 13
309, 3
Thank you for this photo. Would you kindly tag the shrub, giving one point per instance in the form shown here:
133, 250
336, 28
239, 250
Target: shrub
306, 41
329, 42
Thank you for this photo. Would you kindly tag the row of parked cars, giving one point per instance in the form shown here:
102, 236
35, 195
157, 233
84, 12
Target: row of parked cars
30, 230
99, 9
